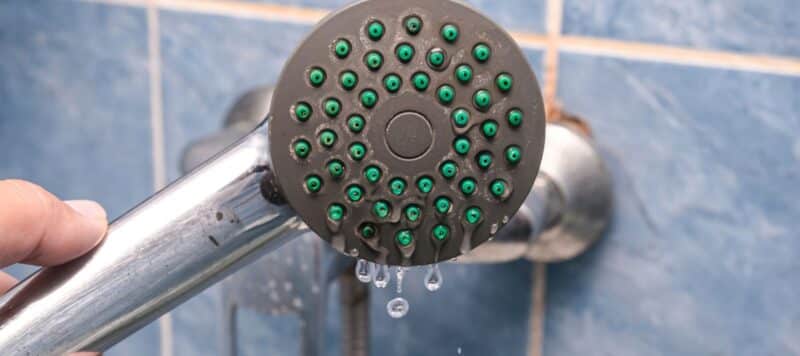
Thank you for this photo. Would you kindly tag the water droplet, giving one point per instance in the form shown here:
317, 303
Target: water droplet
297, 303
363, 271
400, 273
459, 351
382, 276
397, 307
433, 280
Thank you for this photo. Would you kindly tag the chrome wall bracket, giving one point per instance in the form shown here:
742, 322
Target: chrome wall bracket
566, 211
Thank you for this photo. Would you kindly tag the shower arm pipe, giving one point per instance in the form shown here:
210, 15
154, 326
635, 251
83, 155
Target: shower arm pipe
178, 242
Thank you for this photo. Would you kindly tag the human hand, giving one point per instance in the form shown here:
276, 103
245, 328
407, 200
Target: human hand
38, 228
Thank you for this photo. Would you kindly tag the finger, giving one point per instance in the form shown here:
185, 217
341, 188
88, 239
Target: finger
38, 228
6, 282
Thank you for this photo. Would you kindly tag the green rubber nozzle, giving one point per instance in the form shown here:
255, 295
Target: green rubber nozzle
302, 148
342, 48
425, 184
513, 154
443, 205
441, 232
481, 52
464, 73
355, 123
302, 111
413, 213
336, 212
461, 145
397, 186
381, 209
375, 30
404, 237
348, 80
313, 183
327, 138
450, 33
316, 76
332, 107
404, 52
421, 81
358, 151
413, 25
355, 193
372, 174
473, 215
468, 186
336, 169
484, 160
448, 169
460, 117
514, 117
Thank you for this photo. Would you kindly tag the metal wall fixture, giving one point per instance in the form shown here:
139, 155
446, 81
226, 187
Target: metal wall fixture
267, 188
565, 213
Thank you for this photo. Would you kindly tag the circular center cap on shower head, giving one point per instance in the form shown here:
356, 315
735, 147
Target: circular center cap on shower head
409, 135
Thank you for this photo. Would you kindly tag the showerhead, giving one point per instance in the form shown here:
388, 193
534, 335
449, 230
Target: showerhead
406, 132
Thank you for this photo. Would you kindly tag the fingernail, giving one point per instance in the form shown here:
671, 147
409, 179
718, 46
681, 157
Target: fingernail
88, 208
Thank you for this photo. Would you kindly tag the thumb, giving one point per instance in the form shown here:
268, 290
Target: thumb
38, 228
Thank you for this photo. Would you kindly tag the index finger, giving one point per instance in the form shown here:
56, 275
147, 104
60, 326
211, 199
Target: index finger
38, 228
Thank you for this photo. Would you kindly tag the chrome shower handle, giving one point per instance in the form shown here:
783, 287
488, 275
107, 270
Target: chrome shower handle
181, 240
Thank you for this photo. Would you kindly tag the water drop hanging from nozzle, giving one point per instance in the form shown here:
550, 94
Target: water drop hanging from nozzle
363, 271
433, 280
382, 276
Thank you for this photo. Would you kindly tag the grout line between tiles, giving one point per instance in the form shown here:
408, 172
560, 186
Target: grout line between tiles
679, 55
156, 105
538, 312
157, 127
572, 44
550, 62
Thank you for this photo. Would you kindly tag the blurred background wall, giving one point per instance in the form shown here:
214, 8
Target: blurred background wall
695, 105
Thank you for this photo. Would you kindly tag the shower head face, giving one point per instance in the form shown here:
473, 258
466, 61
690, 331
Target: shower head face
406, 132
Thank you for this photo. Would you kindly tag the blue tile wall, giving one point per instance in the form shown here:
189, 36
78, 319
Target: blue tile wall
535, 58
517, 15
480, 309
739, 25
74, 108
702, 255
207, 62
260, 334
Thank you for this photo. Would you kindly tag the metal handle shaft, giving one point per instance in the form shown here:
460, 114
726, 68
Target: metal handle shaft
167, 249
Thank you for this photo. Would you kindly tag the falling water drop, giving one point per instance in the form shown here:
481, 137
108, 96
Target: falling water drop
433, 280
382, 276
397, 307
401, 271
363, 271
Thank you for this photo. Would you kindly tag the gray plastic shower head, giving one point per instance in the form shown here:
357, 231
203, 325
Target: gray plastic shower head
406, 132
